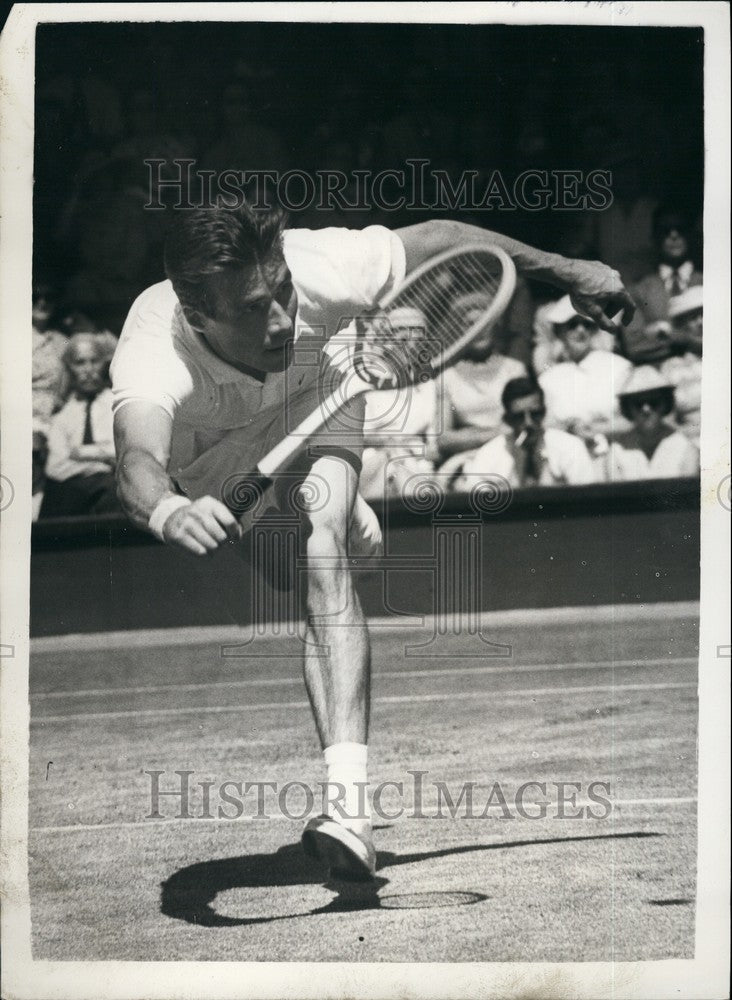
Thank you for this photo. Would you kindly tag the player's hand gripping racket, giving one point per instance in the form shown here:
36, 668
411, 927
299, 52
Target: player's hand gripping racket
388, 353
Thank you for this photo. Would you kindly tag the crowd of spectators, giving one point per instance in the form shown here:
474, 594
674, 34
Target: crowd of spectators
583, 411
586, 407
547, 397
73, 446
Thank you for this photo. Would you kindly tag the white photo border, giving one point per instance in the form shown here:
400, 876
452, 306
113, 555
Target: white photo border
706, 976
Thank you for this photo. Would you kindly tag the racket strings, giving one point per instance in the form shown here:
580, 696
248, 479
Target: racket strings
427, 320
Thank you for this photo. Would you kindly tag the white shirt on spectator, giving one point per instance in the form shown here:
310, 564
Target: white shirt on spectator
161, 359
406, 418
564, 460
674, 457
49, 376
548, 348
67, 432
680, 275
685, 374
472, 391
585, 392
406, 412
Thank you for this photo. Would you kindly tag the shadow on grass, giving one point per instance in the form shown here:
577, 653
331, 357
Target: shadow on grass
189, 893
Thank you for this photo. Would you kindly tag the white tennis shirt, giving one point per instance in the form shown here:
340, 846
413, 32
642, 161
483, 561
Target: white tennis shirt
162, 360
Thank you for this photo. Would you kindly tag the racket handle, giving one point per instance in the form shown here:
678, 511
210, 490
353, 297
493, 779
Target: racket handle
283, 453
243, 493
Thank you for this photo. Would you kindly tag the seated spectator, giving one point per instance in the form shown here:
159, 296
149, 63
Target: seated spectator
548, 349
48, 383
399, 425
652, 449
80, 466
469, 393
648, 336
49, 374
74, 321
684, 368
581, 392
530, 454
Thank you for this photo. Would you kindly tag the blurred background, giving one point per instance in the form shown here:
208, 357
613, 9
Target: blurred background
596, 436
551, 396
348, 96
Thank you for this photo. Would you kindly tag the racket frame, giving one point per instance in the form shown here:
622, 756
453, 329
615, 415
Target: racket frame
282, 454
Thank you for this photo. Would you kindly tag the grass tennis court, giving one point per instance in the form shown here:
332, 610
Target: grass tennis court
586, 695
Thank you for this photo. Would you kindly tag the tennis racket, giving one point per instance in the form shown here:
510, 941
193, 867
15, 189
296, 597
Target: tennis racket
410, 336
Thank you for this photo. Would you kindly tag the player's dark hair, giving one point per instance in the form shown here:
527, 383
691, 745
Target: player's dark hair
517, 388
206, 241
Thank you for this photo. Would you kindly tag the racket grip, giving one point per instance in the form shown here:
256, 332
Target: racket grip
241, 494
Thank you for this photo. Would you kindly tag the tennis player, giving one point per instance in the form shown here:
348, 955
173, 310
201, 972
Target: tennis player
205, 383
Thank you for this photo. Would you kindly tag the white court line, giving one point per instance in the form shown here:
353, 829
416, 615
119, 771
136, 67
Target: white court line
429, 814
224, 634
518, 693
487, 669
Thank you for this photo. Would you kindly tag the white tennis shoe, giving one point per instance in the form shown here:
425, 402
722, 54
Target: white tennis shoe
348, 855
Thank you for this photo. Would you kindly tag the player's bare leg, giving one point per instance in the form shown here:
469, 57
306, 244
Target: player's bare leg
337, 676
337, 661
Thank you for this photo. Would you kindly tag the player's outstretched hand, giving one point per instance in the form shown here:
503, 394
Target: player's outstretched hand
201, 526
597, 292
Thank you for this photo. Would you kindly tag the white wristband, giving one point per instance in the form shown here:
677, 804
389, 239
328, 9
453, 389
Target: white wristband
163, 511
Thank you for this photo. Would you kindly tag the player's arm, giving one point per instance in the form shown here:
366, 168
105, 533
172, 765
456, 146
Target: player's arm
102, 452
143, 433
597, 290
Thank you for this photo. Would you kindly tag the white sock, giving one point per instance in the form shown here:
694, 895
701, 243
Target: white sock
346, 765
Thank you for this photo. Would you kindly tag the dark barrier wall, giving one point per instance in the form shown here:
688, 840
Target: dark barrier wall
628, 543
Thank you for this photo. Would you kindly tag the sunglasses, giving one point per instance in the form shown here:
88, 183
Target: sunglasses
519, 418
653, 399
579, 321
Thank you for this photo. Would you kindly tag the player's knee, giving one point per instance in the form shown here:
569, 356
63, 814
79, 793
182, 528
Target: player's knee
326, 541
327, 578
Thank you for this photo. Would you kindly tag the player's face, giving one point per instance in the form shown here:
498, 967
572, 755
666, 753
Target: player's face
253, 316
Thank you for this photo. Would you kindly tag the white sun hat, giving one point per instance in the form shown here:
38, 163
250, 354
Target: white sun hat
689, 300
644, 378
561, 311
